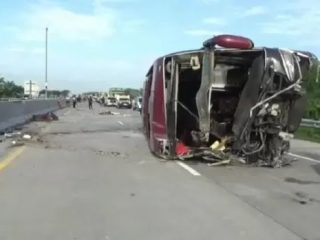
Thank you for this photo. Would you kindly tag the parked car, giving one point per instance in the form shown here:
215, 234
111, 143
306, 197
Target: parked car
233, 101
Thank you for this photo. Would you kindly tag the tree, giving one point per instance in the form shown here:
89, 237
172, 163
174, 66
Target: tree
132, 92
313, 94
9, 89
55, 93
65, 93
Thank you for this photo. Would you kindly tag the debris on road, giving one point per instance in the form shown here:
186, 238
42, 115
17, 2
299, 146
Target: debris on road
304, 198
8, 135
100, 152
299, 181
182, 149
48, 117
105, 113
18, 128
115, 154
109, 113
223, 162
18, 138
26, 137
11, 135
16, 143
111, 153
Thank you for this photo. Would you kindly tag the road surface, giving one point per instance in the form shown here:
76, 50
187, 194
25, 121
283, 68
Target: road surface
90, 176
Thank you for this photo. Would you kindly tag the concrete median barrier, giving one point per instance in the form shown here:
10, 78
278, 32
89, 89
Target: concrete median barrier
19, 112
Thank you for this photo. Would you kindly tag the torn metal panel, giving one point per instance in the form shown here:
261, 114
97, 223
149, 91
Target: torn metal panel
171, 103
203, 95
248, 98
284, 63
270, 114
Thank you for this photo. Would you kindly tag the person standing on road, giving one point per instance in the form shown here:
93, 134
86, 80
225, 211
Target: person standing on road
74, 102
90, 102
103, 101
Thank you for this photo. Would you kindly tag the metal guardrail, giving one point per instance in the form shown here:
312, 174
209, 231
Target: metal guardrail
310, 123
10, 99
13, 113
27, 99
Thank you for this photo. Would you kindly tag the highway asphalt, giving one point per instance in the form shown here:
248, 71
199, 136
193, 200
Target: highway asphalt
91, 176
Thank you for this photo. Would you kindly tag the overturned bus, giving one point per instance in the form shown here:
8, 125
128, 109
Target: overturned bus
226, 101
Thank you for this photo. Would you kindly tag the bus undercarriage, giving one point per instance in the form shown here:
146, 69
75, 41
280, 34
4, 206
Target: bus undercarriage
231, 104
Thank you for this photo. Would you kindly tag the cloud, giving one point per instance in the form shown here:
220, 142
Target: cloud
307, 24
26, 50
72, 72
282, 24
70, 32
132, 26
101, 5
65, 24
210, 1
297, 23
101, 2
206, 32
254, 11
201, 33
215, 21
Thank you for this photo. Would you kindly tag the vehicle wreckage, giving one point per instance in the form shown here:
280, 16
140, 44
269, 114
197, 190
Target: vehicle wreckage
226, 101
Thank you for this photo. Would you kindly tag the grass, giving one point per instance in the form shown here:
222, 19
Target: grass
310, 134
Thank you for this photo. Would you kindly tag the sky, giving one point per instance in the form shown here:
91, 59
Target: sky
97, 44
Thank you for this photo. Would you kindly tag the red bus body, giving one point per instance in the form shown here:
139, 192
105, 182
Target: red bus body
209, 102
154, 110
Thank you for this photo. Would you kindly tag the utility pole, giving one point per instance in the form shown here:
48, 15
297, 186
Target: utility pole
46, 66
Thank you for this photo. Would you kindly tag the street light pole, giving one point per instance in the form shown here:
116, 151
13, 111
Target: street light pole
46, 66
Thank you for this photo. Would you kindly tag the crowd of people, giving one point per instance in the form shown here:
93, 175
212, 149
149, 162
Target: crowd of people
79, 99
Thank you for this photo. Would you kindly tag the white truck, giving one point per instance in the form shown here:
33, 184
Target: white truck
111, 102
123, 101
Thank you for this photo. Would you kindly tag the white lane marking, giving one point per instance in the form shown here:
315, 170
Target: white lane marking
141, 162
188, 168
303, 157
121, 123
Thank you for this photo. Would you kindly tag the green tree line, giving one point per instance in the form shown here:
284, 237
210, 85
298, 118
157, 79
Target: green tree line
55, 93
313, 94
8, 89
133, 92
